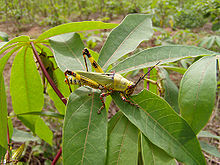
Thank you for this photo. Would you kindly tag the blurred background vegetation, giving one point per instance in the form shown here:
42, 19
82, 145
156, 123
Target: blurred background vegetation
173, 13
188, 22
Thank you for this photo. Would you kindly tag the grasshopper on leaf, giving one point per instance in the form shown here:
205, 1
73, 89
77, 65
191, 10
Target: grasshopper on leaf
106, 82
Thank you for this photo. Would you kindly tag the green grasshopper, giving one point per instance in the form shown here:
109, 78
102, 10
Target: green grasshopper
15, 156
49, 66
106, 82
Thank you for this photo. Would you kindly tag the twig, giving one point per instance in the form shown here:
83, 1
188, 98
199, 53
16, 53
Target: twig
48, 76
57, 157
8, 153
54, 88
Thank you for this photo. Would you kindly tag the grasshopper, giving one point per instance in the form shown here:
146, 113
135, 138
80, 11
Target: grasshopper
106, 82
15, 156
49, 66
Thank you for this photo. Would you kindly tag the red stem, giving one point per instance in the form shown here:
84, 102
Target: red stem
57, 157
8, 153
54, 88
48, 76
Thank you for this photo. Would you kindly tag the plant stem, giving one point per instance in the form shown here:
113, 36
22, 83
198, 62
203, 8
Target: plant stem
54, 88
8, 153
57, 157
63, 99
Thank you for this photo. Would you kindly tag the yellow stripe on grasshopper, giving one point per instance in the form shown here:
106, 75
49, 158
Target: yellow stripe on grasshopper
83, 80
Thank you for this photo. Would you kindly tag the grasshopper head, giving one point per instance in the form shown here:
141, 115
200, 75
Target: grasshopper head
130, 89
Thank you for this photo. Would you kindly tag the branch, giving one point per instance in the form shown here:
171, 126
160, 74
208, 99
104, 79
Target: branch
63, 99
54, 88
57, 157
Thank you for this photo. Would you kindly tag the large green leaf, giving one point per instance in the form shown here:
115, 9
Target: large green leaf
68, 51
123, 143
74, 27
171, 90
3, 114
163, 126
26, 87
84, 132
150, 57
125, 38
197, 92
152, 155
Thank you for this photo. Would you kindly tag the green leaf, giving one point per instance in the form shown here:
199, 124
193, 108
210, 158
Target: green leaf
19, 40
113, 121
123, 143
210, 149
3, 114
217, 40
207, 135
210, 42
85, 131
125, 38
153, 77
171, 90
197, 92
176, 69
26, 87
3, 36
22, 136
68, 51
204, 41
108, 101
162, 126
10, 127
75, 27
2, 153
44, 113
2, 44
152, 155
43, 131
150, 57
14, 46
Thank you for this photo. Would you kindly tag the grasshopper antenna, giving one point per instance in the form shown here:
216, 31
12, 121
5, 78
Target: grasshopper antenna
141, 78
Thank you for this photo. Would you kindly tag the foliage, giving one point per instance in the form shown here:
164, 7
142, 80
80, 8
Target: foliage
173, 13
212, 42
189, 19
134, 134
